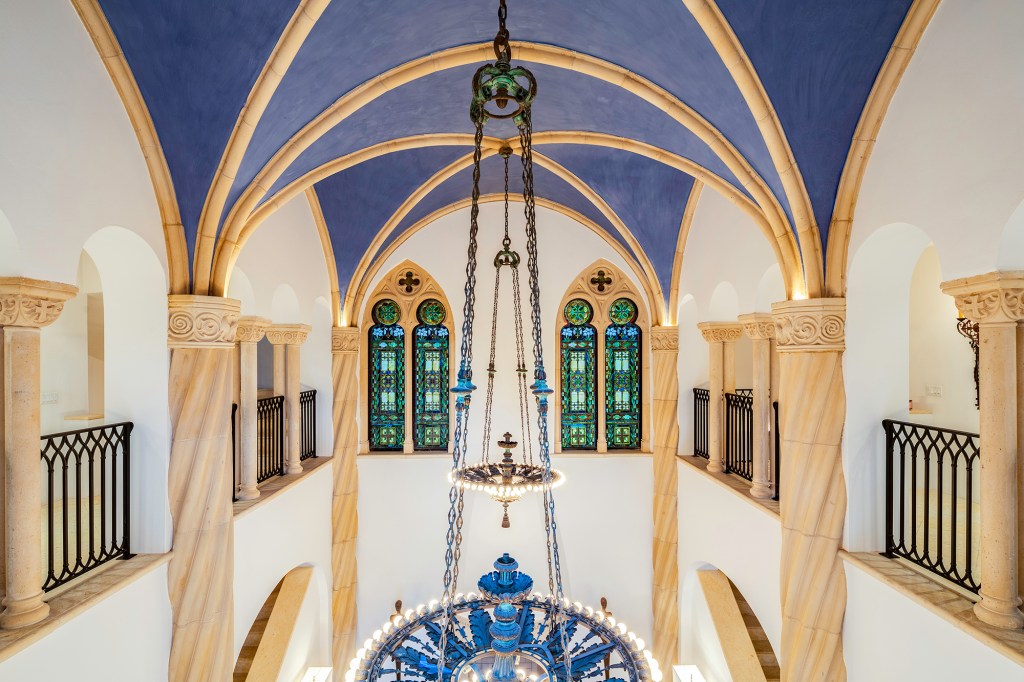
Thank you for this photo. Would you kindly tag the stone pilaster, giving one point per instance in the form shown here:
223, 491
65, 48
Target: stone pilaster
760, 329
201, 336
291, 337
996, 303
26, 305
665, 592
718, 335
812, 397
345, 522
250, 331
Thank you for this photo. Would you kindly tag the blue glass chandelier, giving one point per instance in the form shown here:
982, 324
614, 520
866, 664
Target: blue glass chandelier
505, 632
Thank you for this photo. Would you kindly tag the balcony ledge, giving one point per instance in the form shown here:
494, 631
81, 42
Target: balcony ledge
270, 488
733, 484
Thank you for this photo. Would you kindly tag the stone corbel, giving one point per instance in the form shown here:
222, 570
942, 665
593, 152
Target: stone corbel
811, 325
201, 321
35, 303
251, 329
288, 334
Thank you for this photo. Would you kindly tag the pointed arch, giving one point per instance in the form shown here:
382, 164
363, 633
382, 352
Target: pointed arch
409, 285
600, 284
113, 59
325, 242
677, 262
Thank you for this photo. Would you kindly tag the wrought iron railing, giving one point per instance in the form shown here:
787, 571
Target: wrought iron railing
778, 449
307, 405
701, 407
235, 454
87, 476
270, 453
931, 484
744, 391
738, 450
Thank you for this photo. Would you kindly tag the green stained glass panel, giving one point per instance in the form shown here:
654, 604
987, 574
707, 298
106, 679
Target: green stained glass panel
431, 312
578, 311
622, 311
579, 386
386, 312
430, 380
622, 386
387, 387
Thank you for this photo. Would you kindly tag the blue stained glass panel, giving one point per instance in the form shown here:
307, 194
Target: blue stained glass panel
579, 387
622, 386
430, 387
387, 387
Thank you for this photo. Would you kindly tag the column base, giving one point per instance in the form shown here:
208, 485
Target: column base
761, 491
999, 613
248, 494
294, 468
21, 613
715, 467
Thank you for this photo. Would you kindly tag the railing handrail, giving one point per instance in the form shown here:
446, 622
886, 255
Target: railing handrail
97, 427
930, 427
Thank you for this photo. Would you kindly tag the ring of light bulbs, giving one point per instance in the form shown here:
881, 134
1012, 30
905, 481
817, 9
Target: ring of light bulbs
488, 477
637, 661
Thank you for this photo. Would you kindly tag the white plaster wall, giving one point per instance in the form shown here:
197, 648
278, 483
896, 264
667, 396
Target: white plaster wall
604, 517
292, 529
291, 290
736, 536
950, 152
309, 645
124, 638
692, 368
939, 355
71, 162
888, 636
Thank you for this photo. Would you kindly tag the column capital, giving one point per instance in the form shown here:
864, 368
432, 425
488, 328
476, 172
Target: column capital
665, 338
288, 334
201, 321
344, 339
720, 332
757, 325
989, 298
251, 328
810, 325
28, 302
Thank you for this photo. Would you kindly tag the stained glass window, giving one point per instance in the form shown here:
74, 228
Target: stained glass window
622, 376
387, 377
430, 381
579, 377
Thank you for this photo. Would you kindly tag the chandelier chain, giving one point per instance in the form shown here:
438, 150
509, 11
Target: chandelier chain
491, 368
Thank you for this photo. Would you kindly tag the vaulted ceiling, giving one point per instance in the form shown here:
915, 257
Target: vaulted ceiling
253, 101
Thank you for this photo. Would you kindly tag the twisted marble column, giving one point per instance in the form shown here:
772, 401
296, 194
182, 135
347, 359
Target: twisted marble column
811, 338
760, 329
250, 331
665, 591
201, 336
718, 335
345, 521
26, 305
996, 303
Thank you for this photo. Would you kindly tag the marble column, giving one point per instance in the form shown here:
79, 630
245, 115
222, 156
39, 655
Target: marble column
718, 334
729, 362
291, 337
760, 329
344, 519
250, 331
811, 337
201, 336
665, 590
26, 305
279, 370
996, 303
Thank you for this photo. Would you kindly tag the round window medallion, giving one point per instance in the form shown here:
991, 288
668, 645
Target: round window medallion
578, 311
386, 312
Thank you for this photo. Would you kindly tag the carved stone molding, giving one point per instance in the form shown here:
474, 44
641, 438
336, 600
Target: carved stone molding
251, 329
345, 340
28, 302
721, 332
664, 338
816, 324
288, 334
991, 298
201, 321
758, 325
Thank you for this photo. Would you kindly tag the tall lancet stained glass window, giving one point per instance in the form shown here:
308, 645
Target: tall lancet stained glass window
430, 381
579, 377
622, 376
387, 377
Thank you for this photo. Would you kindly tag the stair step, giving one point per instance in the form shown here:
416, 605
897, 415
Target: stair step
758, 638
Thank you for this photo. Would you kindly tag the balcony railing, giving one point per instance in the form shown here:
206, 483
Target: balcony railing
738, 451
87, 475
931, 487
701, 406
270, 452
776, 471
307, 404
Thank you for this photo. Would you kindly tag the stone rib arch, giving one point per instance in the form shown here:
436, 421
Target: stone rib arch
409, 296
600, 296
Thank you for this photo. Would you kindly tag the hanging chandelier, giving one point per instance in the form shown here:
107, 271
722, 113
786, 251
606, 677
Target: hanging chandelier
505, 632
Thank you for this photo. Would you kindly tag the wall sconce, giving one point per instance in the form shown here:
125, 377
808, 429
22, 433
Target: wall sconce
969, 330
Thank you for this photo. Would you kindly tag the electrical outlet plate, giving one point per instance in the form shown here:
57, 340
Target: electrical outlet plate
48, 398
935, 391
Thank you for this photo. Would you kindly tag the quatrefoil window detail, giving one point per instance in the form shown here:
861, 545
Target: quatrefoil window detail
601, 280
409, 281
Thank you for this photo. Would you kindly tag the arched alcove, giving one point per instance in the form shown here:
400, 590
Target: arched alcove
771, 289
1011, 244
240, 288
724, 304
284, 305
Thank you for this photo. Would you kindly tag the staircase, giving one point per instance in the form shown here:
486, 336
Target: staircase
765, 655
252, 640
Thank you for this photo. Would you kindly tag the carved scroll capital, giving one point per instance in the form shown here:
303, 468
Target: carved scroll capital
992, 298
810, 325
288, 334
345, 340
720, 332
665, 339
251, 329
758, 325
28, 302
201, 321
